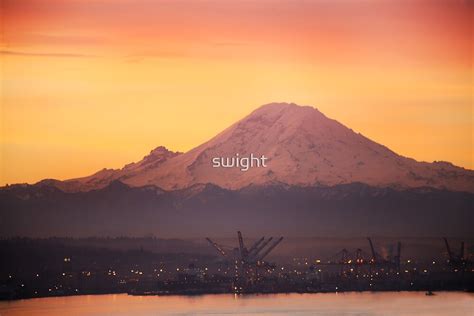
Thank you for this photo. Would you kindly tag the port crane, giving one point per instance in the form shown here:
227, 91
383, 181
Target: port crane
359, 257
259, 250
391, 260
457, 260
247, 260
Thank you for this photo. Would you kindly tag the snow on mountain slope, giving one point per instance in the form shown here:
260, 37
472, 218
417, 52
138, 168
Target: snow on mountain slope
303, 147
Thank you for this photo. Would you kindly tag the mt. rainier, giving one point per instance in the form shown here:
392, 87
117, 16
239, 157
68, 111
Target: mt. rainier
304, 148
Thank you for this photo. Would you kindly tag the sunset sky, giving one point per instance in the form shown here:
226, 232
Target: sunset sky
95, 83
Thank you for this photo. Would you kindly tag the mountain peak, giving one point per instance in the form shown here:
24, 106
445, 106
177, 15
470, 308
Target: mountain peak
303, 148
160, 150
276, 106
159, 154
289, 117
279, 108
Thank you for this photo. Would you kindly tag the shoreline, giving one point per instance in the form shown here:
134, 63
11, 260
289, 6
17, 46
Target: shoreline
185, 293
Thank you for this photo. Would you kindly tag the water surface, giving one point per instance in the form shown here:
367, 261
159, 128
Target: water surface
387, 304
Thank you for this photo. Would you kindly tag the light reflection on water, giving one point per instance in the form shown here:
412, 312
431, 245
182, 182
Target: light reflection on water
345, 304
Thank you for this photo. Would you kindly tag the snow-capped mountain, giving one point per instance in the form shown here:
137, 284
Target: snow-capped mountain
303, 147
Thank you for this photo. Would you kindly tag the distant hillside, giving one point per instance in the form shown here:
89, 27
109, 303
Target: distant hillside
201, 210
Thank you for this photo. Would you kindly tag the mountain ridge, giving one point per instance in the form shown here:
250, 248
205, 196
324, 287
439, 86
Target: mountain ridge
345, 210
305, 148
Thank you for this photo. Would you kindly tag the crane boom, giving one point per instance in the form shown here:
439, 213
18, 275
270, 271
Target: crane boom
399, 253
359, 258
344, 256
450, 254
270, 248
256, 244
241, 244
217, 247
372, 249
258, 249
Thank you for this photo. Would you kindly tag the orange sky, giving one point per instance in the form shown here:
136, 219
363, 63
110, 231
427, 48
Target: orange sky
95, 83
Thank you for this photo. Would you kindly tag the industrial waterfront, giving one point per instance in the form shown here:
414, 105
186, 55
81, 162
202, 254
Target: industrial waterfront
64, 267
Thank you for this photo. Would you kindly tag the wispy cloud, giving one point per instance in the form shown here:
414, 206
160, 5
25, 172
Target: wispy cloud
36, 54
230, 44
166, 54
